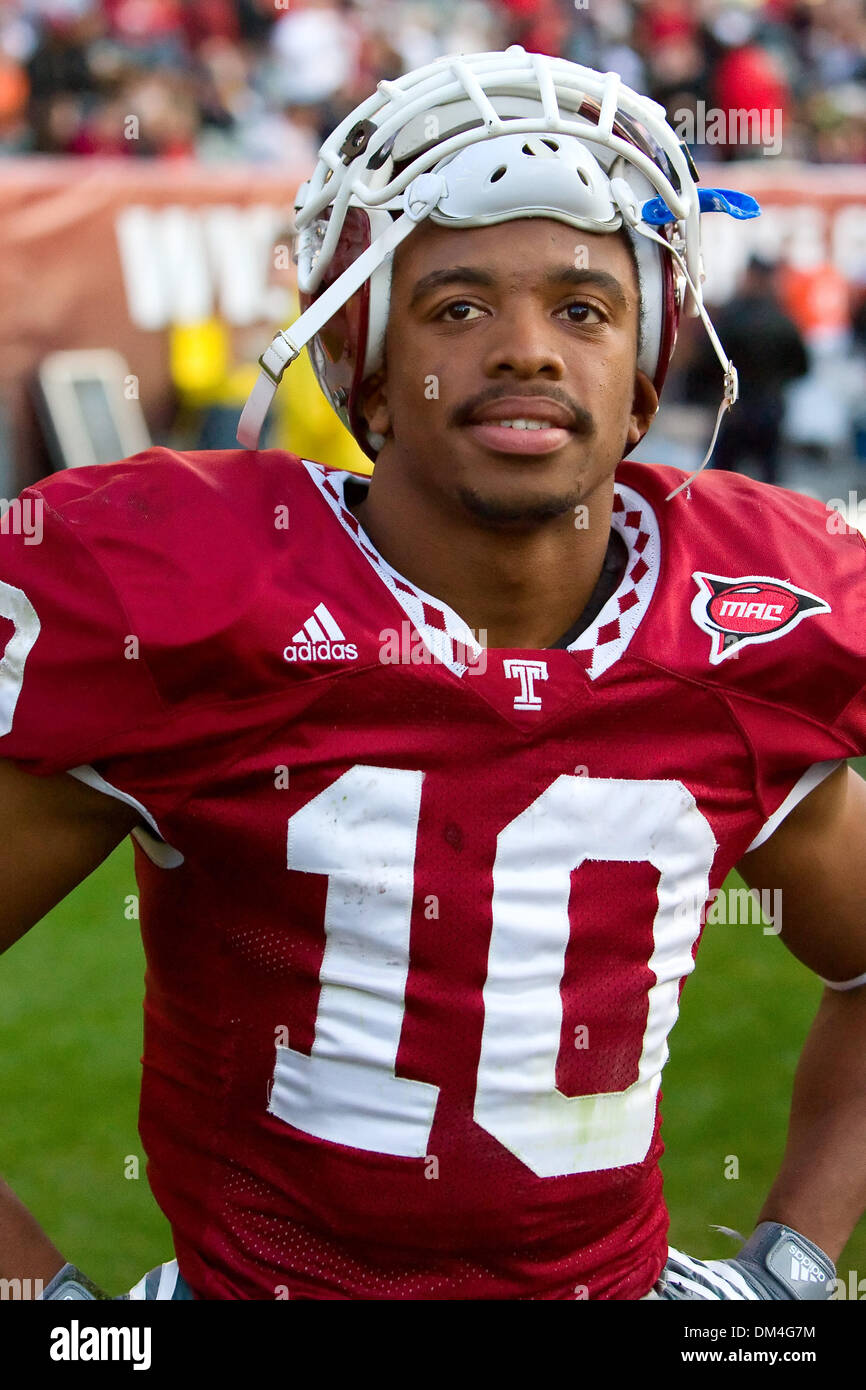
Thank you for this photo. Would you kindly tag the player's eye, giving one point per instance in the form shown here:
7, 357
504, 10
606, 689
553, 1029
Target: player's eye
459, 311
580, 311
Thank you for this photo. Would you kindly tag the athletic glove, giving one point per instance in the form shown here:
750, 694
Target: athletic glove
164, 1282
70, 1283
774, 1263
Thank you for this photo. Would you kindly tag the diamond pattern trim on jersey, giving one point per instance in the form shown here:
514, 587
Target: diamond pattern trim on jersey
447, 636
444, 633
605, 640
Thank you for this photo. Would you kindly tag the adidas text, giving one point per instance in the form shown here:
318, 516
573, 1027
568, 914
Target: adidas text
804, 1267
321, 651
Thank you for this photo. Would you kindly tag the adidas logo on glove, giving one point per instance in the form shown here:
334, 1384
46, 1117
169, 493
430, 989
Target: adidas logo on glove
803, 1267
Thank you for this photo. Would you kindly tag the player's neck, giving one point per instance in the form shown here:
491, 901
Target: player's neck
523, 588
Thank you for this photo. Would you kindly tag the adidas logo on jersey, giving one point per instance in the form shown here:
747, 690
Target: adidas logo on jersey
320, 639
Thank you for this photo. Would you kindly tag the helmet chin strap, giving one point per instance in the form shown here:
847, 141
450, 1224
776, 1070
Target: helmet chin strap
731, 386
418, 201
628, 208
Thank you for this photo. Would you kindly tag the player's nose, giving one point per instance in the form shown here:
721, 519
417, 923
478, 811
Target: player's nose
523, 342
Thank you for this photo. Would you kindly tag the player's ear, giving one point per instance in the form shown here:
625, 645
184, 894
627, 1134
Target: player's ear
645, 403
374, 403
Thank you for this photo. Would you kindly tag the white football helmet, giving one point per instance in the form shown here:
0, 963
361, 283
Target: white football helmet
473, 140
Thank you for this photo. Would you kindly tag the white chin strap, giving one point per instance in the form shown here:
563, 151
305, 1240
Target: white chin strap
287, 345
419, 200
732, 385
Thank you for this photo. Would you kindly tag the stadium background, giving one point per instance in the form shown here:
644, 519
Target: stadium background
149, 151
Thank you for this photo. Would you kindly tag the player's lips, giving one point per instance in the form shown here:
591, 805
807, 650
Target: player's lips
522, 425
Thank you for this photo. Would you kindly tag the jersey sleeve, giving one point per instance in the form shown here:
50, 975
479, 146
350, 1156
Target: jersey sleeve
851, 723
72, 689
814, 714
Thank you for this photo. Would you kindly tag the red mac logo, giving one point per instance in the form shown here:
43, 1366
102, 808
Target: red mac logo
754, 608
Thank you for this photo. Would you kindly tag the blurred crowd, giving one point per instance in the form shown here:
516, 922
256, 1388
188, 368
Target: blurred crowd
265, 80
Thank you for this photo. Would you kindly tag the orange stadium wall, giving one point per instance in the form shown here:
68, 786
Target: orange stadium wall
111, 253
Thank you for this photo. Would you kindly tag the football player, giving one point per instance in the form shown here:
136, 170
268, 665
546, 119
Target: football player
431, 776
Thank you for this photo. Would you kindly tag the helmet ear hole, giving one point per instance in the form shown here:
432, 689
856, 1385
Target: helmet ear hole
551, 144
497, 174
581, 174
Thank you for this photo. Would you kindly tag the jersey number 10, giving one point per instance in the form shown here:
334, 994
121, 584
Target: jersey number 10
361, 833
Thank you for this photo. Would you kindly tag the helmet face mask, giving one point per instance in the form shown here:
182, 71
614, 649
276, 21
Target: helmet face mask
488, 180
474, 140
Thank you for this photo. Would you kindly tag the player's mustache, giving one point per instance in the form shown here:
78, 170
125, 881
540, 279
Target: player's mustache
581, 419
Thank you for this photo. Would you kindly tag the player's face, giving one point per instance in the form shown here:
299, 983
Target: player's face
525, 319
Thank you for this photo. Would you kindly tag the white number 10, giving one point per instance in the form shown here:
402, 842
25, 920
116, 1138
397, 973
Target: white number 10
361, 833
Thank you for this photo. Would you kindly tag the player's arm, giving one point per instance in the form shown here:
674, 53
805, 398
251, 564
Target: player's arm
26, 1253
817, 858
53, 832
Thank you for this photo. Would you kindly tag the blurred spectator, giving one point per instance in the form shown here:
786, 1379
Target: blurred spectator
150, 31
822, 408
837, 43
539, 25
210, 19
14, 94
817, 298
256, 19
269, 80
60, 71
769, 352
748, 76
315, 49
838, 124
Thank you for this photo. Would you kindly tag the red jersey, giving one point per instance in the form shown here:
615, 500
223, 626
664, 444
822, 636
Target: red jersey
416, 914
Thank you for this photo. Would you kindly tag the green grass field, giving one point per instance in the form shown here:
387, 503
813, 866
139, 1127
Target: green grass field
70, 1041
